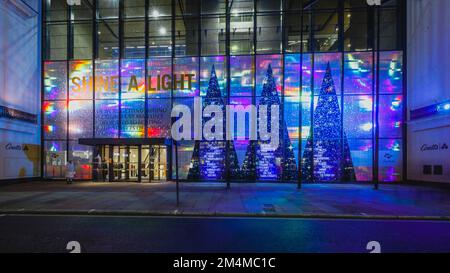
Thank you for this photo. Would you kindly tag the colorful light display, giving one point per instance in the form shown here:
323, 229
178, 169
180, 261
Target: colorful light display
242, 76
80, 80
55, 119
158, 66
71, 109
271, 164
183, 66
209, 157
327, 155
106, 79
133, 118
133, 79
220, 66
80, 119
107, 118
55, 80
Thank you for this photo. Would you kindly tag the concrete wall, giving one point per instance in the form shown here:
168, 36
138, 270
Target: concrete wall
19, 89
428, 43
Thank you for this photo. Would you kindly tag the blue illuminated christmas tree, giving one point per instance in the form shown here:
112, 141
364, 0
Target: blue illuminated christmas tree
270, 164
208, 159
327, 155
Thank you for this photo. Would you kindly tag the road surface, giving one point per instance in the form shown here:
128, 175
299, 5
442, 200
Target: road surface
52, 233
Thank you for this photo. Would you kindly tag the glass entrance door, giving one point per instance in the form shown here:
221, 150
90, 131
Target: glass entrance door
147, 163
125, 163
154, 163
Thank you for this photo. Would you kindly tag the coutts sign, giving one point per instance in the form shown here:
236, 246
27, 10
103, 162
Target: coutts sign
433, 147
16, 147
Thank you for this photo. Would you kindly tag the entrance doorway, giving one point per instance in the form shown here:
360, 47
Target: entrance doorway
154, 163
128, 163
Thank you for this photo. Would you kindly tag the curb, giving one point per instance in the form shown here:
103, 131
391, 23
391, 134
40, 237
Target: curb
144, 213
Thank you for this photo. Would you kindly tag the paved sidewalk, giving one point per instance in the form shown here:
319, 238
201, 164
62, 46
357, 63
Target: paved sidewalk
313, 200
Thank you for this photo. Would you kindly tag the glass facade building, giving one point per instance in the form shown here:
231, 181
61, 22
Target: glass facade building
113, 70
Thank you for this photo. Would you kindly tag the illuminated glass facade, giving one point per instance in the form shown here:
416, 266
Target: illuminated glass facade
113, 69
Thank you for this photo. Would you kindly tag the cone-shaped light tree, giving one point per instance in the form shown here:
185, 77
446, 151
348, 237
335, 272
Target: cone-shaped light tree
270, 164
326, 156
209, 157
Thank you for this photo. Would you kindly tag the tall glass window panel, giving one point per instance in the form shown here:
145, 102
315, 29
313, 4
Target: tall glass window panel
213, 35
80, 80
238, 6
325, 146
241, 32
106, 118
133, 78
108, 39
242, 75
291, 102
213, 7
55, 159
268, 5
292, 32
185, 151
107, 79
186, 102
185, 79
358, 76
268, 161
186, 36
292, 73
159, 78
241, 120
326, 31
82, 40
108, 9
133, 118
268, 33
391, 116
206, 67
291, 109
391, 72
327, 143
241, 136
361, 151
307, 31
358, 115
263, 62
292, 5
56, 41
55, 80
187, 8
80, 119
159, 120
55, 119
158, 8
323, 4
390, 160
82, 11
134, 8
356, 31
55, 10
81, 155
134, 39
306, 98
160, 37
321, 61
389, 29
